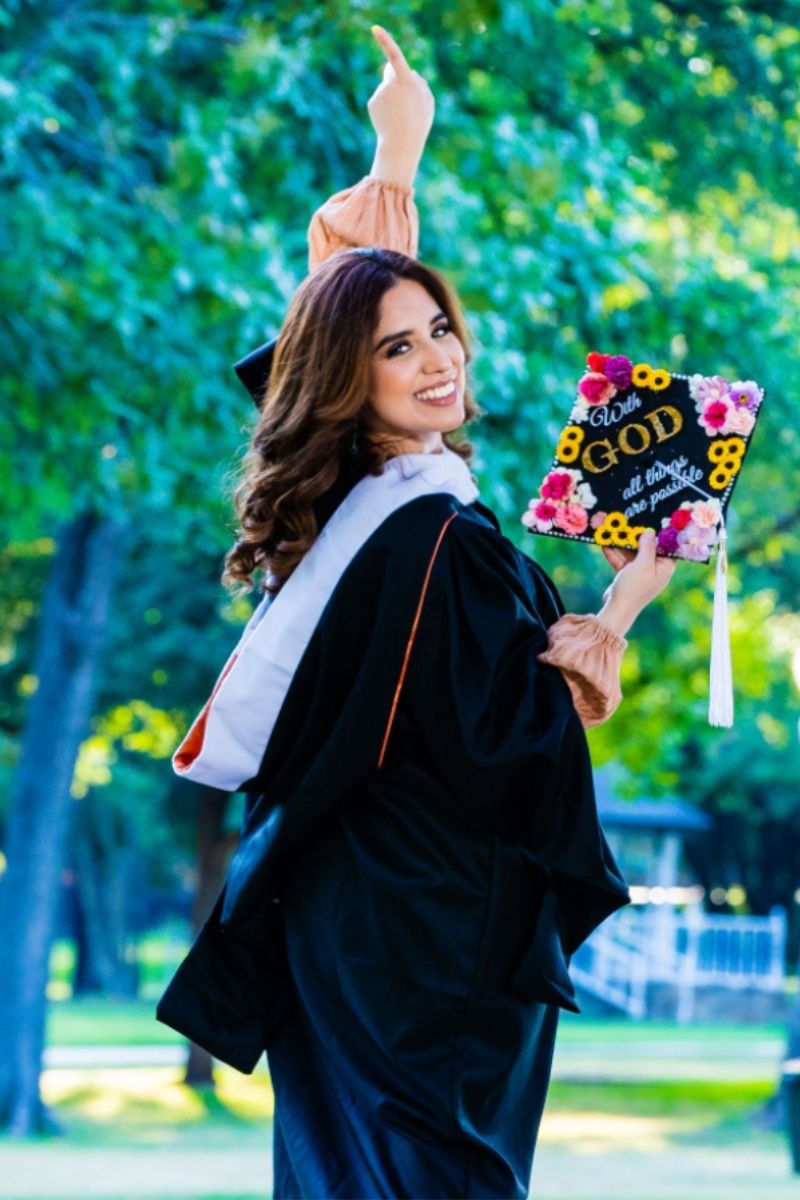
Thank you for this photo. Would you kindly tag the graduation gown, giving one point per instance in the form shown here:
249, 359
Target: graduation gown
420, 857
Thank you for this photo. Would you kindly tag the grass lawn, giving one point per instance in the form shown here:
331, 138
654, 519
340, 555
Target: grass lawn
100, 1021
660, 1141
574, 1028
137, 1133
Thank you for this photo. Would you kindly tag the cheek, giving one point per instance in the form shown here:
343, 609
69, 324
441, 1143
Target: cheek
458, 358
389, 379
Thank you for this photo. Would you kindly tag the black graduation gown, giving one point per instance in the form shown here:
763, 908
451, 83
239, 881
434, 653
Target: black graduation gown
398, 937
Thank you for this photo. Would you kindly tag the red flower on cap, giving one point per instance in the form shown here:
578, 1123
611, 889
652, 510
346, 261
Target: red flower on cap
680, 518
595, 361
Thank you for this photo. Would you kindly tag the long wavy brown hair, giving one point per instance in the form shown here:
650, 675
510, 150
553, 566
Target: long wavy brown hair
309, 426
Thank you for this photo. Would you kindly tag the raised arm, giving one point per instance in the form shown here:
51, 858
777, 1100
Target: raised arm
401, 111
380, 209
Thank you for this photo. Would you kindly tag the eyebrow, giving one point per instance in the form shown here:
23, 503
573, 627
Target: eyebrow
393, 337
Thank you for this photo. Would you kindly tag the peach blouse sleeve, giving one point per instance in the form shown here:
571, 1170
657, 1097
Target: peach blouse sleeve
372, 213
589, 655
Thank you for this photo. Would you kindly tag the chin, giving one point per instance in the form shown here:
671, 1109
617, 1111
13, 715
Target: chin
451, 421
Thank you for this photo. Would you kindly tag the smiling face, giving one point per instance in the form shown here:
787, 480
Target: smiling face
417, 373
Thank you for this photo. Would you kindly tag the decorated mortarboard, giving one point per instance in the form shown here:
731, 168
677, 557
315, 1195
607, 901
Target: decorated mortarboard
254, 369
645, 448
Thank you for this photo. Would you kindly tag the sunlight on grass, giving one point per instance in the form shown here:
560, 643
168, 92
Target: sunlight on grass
611, 1119
136, 1096
251, 1098
705, 1100
600, 1132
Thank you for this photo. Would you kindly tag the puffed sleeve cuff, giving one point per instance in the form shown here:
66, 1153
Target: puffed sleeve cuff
373, 213
589, 654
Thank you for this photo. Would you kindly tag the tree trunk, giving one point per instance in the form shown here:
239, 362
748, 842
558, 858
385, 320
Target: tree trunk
72, 624
104, 860
213, 852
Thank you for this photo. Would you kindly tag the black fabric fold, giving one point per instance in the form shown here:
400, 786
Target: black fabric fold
232, 991
503, 727
542, 973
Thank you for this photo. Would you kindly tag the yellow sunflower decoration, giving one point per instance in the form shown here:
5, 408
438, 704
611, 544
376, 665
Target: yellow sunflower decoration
650, 377
569, 444
726, 454
616, 531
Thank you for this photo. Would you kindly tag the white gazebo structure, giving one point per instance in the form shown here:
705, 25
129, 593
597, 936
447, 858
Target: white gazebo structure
664, 955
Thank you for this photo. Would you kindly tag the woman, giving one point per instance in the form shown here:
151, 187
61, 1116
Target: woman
421, 853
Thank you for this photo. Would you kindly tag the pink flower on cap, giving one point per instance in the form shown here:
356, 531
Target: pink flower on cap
572, 518
715, 416
544, 510
539, 516
696, 542
709, 388
596, 389
741, 421
557, 486
745, 394
706, 513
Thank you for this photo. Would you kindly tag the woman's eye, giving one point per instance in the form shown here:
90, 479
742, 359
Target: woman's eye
400, 347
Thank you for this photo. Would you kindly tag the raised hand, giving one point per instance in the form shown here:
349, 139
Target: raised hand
401, 111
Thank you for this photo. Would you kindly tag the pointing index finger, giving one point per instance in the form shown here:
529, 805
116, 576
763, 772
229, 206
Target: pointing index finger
391, 49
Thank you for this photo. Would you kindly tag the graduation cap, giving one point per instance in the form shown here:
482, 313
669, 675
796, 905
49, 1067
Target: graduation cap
254, 369
645, 448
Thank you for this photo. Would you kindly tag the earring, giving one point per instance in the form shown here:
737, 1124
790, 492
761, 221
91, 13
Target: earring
354, 442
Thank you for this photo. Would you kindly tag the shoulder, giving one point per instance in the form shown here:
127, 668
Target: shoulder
386, 573
434, 542
408, 534
459, 548
470, 531
454, 530
476, 565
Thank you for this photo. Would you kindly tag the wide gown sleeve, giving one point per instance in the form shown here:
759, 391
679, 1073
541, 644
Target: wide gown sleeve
589, 654
372, 213
499, 725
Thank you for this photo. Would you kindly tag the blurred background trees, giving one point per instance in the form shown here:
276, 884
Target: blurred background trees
611, 174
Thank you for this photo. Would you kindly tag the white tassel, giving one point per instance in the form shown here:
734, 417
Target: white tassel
720, 700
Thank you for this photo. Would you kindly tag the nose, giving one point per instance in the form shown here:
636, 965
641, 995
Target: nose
437, 360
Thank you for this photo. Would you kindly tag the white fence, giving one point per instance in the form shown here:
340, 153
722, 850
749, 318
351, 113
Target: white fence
638, 947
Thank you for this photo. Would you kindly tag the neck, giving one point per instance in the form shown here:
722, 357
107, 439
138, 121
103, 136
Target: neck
428, 444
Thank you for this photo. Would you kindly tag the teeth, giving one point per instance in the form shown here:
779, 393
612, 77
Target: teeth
436, 393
